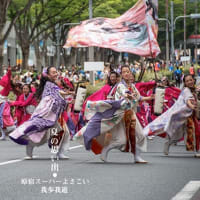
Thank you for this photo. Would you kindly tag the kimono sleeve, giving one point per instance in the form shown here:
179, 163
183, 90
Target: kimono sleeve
6, 79
21, 102
187, 94
120, 91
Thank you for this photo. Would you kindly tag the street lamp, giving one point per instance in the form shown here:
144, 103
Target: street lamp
91, 49
172, 26
192, 16
195, 16
164, 19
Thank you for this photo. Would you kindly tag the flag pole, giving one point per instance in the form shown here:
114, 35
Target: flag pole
142, 71
151, 53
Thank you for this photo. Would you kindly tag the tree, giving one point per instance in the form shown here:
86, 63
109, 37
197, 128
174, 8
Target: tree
178, 11
4, 6
42, 17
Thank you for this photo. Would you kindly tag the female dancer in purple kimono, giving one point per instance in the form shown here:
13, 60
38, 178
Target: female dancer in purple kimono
35, 131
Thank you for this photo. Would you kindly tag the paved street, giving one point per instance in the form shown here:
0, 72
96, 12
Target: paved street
85, 177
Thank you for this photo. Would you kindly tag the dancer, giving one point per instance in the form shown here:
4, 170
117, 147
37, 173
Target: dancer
6, 121
106, 92
112, 82
116, 117
76, 120
133, 129
171, 94
47, 115
143, 88
25, 105
179, 120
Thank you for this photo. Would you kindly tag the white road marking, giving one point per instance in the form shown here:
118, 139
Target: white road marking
19, 160
75, 147
10, 162
188, 191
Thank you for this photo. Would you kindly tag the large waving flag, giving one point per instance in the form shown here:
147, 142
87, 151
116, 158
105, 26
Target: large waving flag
134, 32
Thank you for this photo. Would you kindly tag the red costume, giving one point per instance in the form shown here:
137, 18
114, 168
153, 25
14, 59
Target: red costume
22, 114
5, 82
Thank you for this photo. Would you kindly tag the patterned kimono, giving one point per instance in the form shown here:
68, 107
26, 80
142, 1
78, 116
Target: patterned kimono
103, 116
100, 94
144, 107
44, 117
109, 116
133, 128
171, 95
177, 122
146, 112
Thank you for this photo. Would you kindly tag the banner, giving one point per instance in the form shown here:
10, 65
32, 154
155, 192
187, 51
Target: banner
134, 32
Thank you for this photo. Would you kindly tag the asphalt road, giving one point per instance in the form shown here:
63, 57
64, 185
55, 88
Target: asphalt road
85, 177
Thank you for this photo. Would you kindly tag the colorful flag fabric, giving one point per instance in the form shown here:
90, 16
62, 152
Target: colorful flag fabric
134, 32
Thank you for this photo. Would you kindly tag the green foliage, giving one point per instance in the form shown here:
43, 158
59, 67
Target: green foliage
91, 89
151, 76
12, 96
107, 9
178, 11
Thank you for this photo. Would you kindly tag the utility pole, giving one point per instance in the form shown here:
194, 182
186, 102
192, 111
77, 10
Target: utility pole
167, 35
172, 32
173, 26
184, 28
196, 27
91, 49
58, 45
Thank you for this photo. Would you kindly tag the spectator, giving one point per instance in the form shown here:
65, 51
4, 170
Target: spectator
28, 79
157, 66
132, 68
181, 68
171, 67
66, 74
198, 70
178, 74
150, 67
75, 78
73, 69
192, 70
87, 75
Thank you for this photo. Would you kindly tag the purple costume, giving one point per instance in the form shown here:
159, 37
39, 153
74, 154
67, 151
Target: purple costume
44, 117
